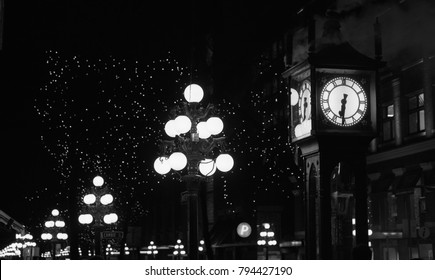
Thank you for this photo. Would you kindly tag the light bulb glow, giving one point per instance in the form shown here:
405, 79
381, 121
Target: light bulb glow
182, 124
215, 125
193, 93
177, 161
162, 166
89, 199
224, 162
203, 131
171, 128
106, 199
207, 167
98, 181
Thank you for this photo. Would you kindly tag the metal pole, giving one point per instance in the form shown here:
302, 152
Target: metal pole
192, 217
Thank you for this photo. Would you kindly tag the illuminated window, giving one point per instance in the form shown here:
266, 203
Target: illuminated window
416, 114
388, 123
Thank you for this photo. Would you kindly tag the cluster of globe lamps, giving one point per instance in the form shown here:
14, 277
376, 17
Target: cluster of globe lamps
183, 124
55, 224
91, 199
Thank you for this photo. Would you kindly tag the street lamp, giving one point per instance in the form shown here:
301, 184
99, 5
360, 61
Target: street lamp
267, 238
152, 250
97, 210
197, 147
54, 230
179, 251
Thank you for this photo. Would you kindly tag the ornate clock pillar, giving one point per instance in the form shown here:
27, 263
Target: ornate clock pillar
333, 120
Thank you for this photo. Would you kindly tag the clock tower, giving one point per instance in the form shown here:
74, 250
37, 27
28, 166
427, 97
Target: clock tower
333, 120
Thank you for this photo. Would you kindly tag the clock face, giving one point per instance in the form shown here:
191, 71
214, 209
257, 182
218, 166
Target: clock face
343, 101
302, 124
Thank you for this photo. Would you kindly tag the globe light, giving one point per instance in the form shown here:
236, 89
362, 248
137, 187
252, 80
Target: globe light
46, 236
49, 224
85, 219
224, 162
106, 199
215, 125
59, 224
193, 93
62, 236
177, 161
89, 199
266, 225
203, 131
294, 97
162, 166
55, 212
171, 128
110, 218
182, 124
98, 181
207, 167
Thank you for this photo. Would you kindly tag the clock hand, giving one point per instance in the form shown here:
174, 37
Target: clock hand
343, 108
305, 108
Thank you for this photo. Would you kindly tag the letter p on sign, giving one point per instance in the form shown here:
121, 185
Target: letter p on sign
244, 230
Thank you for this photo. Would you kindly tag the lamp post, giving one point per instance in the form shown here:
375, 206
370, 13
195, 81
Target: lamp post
194, 129
54, 231
179, 251
267, 238
152, 250
97, 210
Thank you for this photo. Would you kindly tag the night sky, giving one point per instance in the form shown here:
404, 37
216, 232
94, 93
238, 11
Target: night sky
96, 79
88, 78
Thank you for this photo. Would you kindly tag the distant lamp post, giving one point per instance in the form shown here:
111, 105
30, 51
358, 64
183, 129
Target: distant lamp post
54, 231
179, 250
152, 250
267, 238
196, 147
97, 210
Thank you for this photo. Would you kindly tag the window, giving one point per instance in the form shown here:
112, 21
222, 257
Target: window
388, 123
416, 113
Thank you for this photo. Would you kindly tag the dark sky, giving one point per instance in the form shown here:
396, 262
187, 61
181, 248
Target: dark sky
125, 29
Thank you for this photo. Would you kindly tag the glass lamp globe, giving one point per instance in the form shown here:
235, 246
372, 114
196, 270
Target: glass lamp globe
85, 219
55, 212
98, 181
162, 166
294, 97
110, 218
171, 128
49, 224
106, 199
203, 131
89, 199
177, 161
224, 162
182, 124
207, 167
193, 93
215, 125
59, 224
